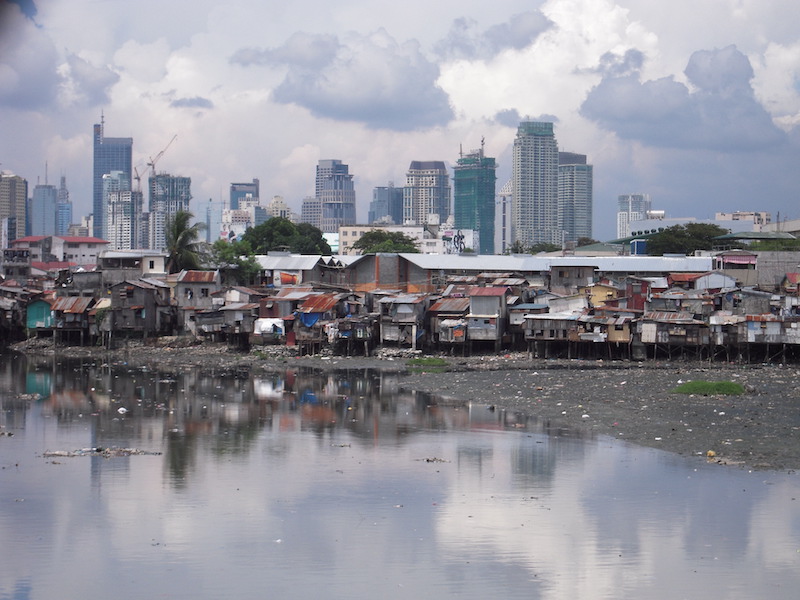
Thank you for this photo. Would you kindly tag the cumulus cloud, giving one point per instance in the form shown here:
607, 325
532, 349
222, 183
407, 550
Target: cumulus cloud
465, 40
509, 117
196, 102
718, 111
617, 65
29, 77
369, 79
87, 83
301, 50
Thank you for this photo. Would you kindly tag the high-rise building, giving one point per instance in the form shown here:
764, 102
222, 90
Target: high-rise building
240, 191
168, 195
502, 240
631, 207
43, 210
534, 214
311, 211
13, 203
110, 154
473, 196
63, 208
214, 220
277, 207
336, 194
426, 196
574, 196
386, 206
123, 212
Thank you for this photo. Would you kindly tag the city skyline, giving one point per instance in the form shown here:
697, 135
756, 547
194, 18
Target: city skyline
696, 107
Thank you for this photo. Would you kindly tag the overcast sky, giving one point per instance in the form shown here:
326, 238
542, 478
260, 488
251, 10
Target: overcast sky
694, 102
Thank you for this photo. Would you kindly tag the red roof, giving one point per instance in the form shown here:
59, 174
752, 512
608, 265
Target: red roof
489, 291
67, 238
197, 277
52, 266
685, 277
72, 304
319, 304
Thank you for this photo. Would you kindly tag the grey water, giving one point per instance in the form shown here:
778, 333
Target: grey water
300, 484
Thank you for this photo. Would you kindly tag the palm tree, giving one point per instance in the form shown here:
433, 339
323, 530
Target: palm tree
184, 248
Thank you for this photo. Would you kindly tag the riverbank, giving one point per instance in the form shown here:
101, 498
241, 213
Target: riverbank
632, 401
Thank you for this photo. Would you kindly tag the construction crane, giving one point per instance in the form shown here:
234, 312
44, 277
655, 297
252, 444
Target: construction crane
152, 164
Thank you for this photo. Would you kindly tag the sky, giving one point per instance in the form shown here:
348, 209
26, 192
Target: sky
695, 103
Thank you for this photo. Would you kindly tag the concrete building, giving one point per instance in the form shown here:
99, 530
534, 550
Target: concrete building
110, 154
311, 211
502, 236
430, 239
534, 213
748, 219
473, 197
168, 195
631, 207
575, 184
426, 196
336, 195
13, 203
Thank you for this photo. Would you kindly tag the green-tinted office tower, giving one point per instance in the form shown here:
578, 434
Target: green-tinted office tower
473, 197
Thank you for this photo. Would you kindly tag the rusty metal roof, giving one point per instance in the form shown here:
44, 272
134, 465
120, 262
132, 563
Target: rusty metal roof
72, 304
489, 291
451, 305
197, 277
671, 317
319, 304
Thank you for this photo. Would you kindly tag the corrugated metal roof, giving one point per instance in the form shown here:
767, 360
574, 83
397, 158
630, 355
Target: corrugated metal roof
197, 277
402, 299
72, 304
671, 317
488, 291
240, 306
319, 304
292, 262
450, 305
531, 264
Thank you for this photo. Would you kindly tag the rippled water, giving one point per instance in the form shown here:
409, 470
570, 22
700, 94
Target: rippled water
297, 485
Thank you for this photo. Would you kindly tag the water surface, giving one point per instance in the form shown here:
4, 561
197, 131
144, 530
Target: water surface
299, 485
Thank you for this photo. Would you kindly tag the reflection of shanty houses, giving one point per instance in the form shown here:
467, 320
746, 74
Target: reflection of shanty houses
71, 319
139, 307
486, 321
402, 319
670, 332
448, 322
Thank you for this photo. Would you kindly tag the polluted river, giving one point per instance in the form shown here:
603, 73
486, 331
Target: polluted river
121, 481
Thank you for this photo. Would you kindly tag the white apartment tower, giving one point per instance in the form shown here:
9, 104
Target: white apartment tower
534, 213
631, 207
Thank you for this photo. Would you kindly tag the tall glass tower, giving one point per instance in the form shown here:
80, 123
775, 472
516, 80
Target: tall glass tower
473, 197
110, 154
534, 210
336, 195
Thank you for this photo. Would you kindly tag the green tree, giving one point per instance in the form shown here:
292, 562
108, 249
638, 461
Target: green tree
279, 233
585, 241
684, 239
543, 247
235, 260
183, 245
379, 240
775, 245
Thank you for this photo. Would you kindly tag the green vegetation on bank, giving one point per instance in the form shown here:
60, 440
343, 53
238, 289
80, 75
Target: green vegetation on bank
710, 388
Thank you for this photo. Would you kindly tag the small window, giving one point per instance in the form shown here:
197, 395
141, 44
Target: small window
204, 292
152, 264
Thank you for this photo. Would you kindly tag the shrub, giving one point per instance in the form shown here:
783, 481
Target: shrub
710, 388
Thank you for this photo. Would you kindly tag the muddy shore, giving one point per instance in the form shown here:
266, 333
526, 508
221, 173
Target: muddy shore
632, 401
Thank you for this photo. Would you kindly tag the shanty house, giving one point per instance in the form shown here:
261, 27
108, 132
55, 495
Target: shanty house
402, 318
447, 321
488, 314
71, 319
140, 307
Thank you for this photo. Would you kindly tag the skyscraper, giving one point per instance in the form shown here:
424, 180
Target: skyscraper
123, 210
503, 217
427, 193
337, 197
43, 210
574, 196
631, 207
168, 195
13, 202
241, 191
110, 154
387, 205
63, 208
534, 211
473, 197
